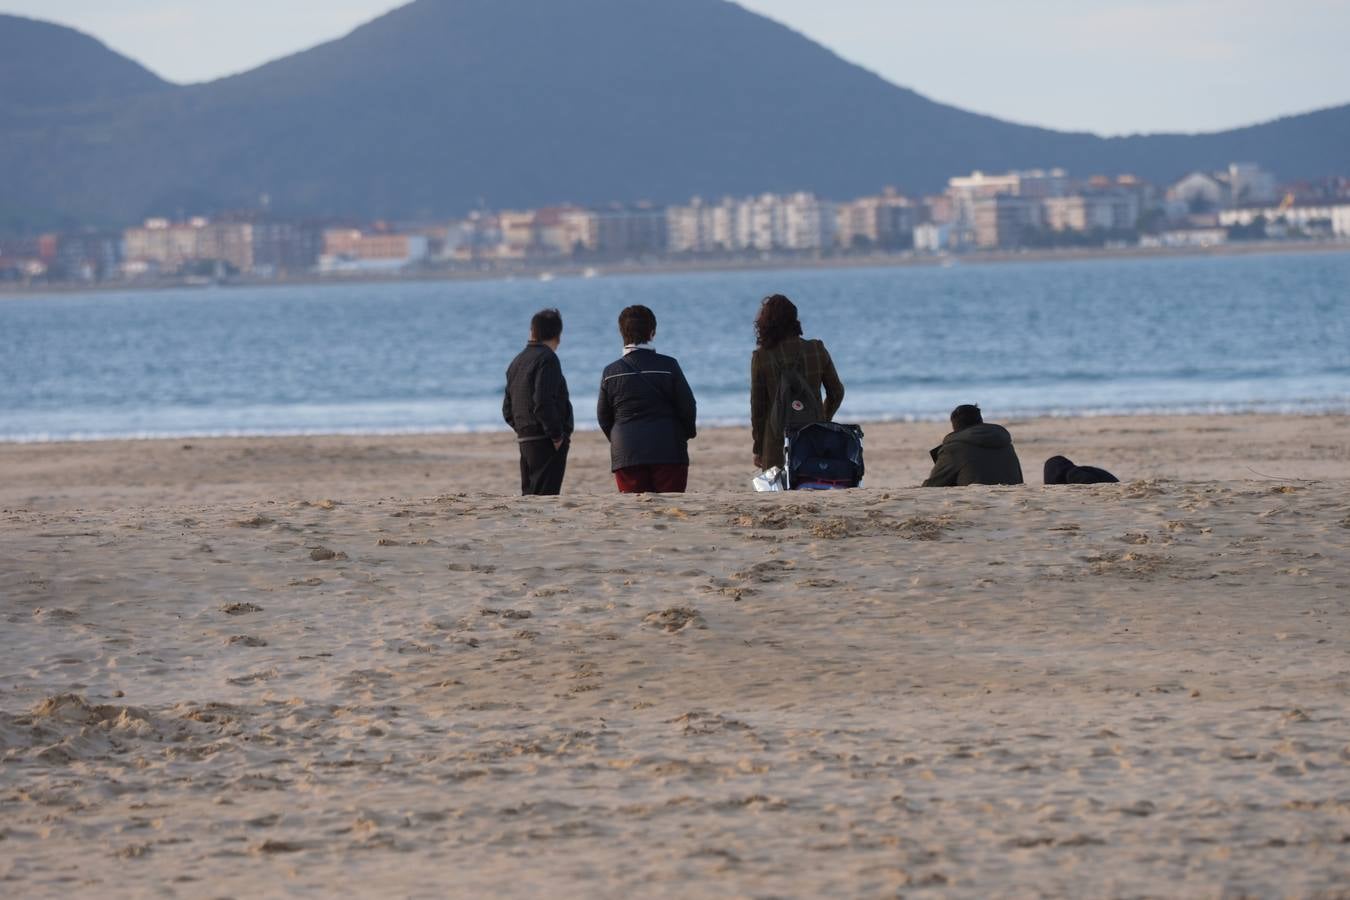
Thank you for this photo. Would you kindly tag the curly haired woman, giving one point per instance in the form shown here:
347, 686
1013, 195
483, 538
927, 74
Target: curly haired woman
783, 353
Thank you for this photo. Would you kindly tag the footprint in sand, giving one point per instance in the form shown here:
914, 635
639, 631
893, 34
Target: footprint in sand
54, 615
675, 619
918, 528
245, 640
767, 571
272, 848
254, 678
1140, 490
834, 529
255, 522
240, 609
471, 567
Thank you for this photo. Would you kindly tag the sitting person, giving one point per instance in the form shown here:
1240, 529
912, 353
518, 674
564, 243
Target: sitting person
1060, 470
974, 453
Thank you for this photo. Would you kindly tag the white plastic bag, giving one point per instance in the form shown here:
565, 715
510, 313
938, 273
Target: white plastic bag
771, 480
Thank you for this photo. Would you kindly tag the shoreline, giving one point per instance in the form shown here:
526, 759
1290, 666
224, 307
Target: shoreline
573, 269
1329, 412
86, 475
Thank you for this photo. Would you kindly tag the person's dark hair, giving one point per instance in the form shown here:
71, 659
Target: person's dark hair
637, 324
546, 325
1057, 470
777, 321
965, 416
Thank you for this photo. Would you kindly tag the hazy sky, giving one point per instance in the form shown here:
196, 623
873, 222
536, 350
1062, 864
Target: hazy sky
1111, 66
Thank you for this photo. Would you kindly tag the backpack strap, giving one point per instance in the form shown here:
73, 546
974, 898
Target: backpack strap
780, 362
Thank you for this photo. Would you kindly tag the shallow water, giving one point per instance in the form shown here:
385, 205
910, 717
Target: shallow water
1232, 334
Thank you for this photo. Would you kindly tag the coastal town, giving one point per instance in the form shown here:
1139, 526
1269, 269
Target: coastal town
978, 213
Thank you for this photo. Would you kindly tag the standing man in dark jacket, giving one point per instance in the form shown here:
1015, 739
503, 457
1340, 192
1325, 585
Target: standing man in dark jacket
647, 411
538, 409
974, 453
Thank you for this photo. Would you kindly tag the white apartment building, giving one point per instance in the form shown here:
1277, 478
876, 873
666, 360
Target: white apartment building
967, 192
1249, 184
885, 221
350, 250
1336, 218
1004, 220
1242, 184
170, 246
1031, 183
758, 224
1186, 238
1092, 212
701, 227
933, 238
807, 223
767, 222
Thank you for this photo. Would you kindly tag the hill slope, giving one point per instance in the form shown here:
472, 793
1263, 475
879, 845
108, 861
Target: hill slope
443, 104
46, 65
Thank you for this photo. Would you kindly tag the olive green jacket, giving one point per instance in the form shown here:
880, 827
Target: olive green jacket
764, 388
980, 454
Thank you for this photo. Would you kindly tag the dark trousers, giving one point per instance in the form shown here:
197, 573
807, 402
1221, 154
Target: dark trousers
542, 468
652, 479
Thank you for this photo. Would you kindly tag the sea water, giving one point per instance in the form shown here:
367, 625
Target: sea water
1212, 334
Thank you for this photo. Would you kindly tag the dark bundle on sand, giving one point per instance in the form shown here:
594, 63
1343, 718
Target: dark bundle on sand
1061, 470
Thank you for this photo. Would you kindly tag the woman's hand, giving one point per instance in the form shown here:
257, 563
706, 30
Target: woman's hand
759, 463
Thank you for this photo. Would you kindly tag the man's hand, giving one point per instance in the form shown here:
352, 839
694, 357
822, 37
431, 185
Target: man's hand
759, 463
558, 442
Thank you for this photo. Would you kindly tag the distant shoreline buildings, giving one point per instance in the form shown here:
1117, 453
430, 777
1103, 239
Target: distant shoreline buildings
979, 212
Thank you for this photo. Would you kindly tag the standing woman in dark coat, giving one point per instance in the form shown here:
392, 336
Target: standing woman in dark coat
778, 332
647, 411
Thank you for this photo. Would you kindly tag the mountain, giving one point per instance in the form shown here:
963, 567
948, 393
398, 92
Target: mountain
45, 65
443, 105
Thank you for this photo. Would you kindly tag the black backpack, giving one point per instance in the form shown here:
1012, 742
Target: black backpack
798, 401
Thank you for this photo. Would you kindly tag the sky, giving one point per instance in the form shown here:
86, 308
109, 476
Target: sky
1108, 66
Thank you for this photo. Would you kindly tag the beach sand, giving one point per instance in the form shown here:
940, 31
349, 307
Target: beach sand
359, 666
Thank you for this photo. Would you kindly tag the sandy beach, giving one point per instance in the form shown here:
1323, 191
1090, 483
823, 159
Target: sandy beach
360, 666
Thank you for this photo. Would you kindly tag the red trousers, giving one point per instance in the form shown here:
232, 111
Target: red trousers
652, 479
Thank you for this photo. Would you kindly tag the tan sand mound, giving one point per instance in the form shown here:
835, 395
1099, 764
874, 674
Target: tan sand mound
1121, 690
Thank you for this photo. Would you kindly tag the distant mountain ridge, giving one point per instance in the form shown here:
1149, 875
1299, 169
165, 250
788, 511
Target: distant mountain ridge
441, 106
87, 71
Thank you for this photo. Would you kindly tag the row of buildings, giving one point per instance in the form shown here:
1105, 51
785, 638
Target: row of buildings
1030, 208
980, 211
